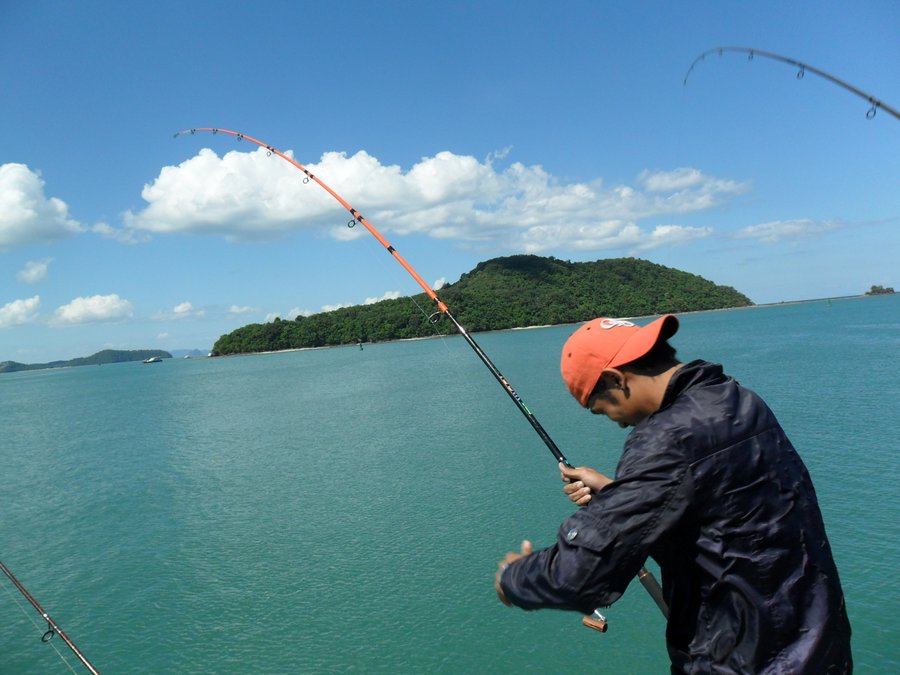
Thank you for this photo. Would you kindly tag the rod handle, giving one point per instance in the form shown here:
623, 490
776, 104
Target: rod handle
652, 585
596, 621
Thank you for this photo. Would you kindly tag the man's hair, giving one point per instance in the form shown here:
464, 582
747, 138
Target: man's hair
658, 360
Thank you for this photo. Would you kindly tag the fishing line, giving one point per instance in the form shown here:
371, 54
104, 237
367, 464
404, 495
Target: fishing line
645, 577
52, 627
39, 629
802, 68
432, 319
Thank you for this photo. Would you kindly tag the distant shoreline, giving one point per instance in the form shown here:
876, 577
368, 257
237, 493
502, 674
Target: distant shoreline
519, 328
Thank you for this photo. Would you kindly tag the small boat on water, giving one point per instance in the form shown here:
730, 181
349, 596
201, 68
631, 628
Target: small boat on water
153, 359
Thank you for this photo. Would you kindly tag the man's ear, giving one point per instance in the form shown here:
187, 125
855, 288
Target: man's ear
613, 378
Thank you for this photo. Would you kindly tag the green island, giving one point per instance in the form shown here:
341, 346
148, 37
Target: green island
100, 358
501, 293
880, 290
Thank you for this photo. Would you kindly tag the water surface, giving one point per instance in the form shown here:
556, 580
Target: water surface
343, 510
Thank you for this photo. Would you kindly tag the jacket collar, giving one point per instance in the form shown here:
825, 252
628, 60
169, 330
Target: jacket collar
690, 375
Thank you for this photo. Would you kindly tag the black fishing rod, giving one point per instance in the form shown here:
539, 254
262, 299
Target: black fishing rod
803, 67
52, 627
647, 579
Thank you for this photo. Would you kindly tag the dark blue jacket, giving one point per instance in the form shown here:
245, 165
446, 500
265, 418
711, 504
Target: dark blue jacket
711, 488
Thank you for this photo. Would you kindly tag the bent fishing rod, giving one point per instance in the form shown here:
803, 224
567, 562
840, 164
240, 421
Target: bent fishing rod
52, 627
803, 67
597, 621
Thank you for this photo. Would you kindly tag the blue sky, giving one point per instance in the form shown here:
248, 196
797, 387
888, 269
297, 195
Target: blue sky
463, 131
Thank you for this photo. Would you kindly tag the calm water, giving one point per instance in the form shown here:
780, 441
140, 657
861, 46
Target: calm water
340, 510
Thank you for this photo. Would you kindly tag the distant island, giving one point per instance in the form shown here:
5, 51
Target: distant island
100, 358
880, 290
502, 293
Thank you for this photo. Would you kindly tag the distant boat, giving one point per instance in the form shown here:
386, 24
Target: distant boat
153, 359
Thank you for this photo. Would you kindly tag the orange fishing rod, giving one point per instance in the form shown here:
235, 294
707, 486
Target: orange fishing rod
645, 577
52, 627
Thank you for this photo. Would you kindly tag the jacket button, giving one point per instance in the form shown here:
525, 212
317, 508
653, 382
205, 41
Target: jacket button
571, 534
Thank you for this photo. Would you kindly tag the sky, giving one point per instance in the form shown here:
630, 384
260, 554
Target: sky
462, 131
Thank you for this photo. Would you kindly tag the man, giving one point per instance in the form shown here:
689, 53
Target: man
710, 487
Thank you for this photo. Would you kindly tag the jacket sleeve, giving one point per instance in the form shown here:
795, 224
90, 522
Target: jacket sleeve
601, 547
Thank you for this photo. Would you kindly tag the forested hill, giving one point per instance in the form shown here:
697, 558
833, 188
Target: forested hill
516, 291
105, 356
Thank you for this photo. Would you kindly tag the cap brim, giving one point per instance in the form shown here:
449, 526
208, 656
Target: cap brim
645, 339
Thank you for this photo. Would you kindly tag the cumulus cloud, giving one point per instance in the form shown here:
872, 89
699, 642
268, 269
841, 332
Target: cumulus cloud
670, 235
19, 312
778, 230
182, 310
94, 309
253, 196
34, 271
26, 215
186, 309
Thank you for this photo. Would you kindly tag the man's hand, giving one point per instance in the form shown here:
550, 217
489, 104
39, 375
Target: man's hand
581, 482
511, 557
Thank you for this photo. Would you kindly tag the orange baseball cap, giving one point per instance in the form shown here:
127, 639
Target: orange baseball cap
608, 343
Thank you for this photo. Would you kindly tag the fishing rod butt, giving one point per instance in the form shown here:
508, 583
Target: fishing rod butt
653, 588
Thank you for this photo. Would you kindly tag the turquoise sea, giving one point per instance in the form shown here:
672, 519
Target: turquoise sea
343, 510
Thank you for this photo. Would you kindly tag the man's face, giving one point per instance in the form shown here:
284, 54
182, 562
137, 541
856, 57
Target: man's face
614, 399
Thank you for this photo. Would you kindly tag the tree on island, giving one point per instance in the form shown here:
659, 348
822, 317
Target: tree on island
880, 290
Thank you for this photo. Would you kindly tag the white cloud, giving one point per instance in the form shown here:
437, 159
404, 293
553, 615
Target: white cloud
125, 236
186, 309
669, 181
26, 215
439, 284
94, 309
252, 196
389, 295
182, 310
19, 312
777, 230
671, 235
34, 271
